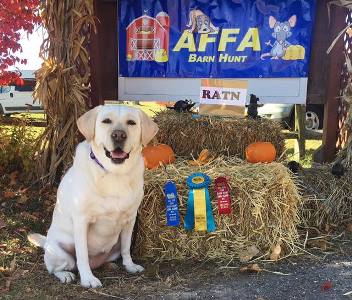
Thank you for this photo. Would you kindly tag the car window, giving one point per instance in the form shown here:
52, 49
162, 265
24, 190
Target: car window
5, 89
28, 86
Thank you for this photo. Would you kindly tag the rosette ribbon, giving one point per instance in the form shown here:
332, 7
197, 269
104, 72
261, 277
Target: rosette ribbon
199, 215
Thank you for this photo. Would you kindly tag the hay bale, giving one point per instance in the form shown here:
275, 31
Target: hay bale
327, 199
265, 204
224, 136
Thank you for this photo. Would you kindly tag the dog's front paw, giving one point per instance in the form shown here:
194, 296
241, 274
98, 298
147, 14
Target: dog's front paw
133, 268
90, 282
65, 276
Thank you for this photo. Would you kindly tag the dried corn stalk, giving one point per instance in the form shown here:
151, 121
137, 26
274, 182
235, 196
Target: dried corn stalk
62, 81
345, 155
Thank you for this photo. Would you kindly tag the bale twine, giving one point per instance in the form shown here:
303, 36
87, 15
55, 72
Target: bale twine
223, 136
327, 199
265, 204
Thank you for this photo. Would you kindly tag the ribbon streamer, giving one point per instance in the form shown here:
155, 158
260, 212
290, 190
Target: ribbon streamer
171, 201
223, 195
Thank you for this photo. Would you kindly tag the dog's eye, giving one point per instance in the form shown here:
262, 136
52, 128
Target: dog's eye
131, 122
107, 121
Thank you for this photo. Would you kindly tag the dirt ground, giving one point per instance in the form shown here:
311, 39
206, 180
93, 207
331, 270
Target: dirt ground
304, 277
326, 275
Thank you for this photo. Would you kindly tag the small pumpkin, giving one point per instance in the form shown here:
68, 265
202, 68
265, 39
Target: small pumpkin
263, 152
154, 155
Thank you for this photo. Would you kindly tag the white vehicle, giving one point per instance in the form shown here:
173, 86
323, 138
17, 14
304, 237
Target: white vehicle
19, 98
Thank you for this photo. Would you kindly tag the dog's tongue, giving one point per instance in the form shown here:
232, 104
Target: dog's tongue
118, 154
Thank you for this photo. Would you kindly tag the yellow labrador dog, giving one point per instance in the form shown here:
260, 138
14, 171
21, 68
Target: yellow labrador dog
98, 198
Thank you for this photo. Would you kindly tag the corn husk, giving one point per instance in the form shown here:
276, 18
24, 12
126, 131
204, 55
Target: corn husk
62, 81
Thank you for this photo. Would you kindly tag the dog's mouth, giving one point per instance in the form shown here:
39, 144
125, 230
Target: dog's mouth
117, 156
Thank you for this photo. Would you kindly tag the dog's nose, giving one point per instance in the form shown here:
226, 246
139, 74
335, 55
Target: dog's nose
119, 136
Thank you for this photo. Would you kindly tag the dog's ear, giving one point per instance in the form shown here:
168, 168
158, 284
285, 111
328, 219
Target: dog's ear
272, 22
292, 21
86, 123
149, 128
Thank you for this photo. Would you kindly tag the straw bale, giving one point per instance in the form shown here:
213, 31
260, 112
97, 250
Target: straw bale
265, 204
327, 199
224, 136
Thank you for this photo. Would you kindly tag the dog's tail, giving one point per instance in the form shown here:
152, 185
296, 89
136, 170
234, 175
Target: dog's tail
37, 239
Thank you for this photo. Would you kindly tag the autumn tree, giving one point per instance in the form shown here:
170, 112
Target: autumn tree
15, 15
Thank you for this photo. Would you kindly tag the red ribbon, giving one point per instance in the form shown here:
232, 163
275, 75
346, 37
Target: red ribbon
223, 195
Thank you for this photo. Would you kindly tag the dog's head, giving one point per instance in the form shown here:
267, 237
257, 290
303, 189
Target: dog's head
203, 24
116, 133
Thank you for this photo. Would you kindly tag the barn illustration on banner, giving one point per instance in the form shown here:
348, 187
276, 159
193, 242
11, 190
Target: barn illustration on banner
148, 38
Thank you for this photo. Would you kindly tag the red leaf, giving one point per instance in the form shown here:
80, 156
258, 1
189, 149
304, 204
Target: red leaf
9, 194
327, 285
19, 82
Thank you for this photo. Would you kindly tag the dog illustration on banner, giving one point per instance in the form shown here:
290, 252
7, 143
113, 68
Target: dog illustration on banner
148, 38
282, 49
200, 22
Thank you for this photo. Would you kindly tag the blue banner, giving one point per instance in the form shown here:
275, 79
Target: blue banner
215, 38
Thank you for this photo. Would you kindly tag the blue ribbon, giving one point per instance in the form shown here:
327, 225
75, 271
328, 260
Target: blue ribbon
189, 218
171, 201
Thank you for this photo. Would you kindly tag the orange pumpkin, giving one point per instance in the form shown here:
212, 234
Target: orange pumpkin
263, 152
154, 155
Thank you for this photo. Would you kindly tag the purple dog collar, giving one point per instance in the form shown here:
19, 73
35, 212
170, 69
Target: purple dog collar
93, 157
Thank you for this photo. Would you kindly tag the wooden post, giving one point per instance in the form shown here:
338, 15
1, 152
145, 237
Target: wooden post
300, 128
104, 53
95, 73
336, 61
